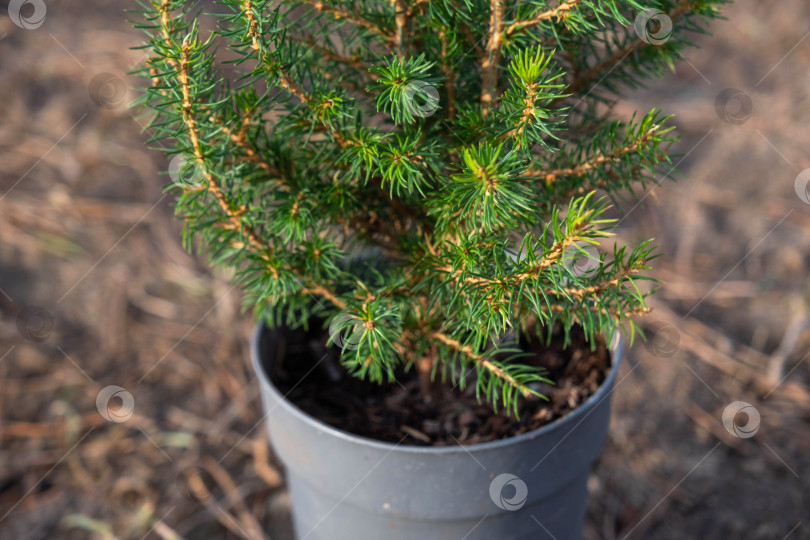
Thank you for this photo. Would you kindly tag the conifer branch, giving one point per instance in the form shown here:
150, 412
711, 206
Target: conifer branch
596, 161
609, 63
233, 214
165, 25
414, 5
401, 21
291, 86
553, 256
255, 43
449, 77
357, 64
298, 175
253, 24
559, 13
489, 286
482, 361
240, 138
526, 116
339, 13
592, 290
348, 142
492, 55
320, 290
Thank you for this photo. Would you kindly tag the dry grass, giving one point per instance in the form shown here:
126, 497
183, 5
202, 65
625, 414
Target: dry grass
86, 232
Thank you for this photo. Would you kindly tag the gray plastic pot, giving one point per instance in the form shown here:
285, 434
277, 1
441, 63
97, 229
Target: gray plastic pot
346, 487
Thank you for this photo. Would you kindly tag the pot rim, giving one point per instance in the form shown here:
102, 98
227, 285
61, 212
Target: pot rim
616, 348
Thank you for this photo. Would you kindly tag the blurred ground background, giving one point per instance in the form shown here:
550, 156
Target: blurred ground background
88, 243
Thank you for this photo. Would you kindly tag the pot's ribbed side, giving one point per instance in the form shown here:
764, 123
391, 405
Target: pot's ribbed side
348, 487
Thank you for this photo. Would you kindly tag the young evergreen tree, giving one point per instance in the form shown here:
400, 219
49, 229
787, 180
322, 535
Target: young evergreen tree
462, 140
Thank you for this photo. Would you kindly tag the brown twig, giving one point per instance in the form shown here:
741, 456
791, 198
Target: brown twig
415, 4
253, 32
492, 55
233, 214
326, 293
527, 114
594, 162
261, 462
232, 495
554, 255
351, 61
401, 21
240, 138
559, 13
253, 25
449, 78
339, 13
483, 362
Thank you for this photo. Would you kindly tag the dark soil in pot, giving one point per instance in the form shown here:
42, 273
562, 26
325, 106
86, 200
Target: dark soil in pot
310, 376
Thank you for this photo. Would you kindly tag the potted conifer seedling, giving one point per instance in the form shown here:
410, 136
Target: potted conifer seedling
406, 192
